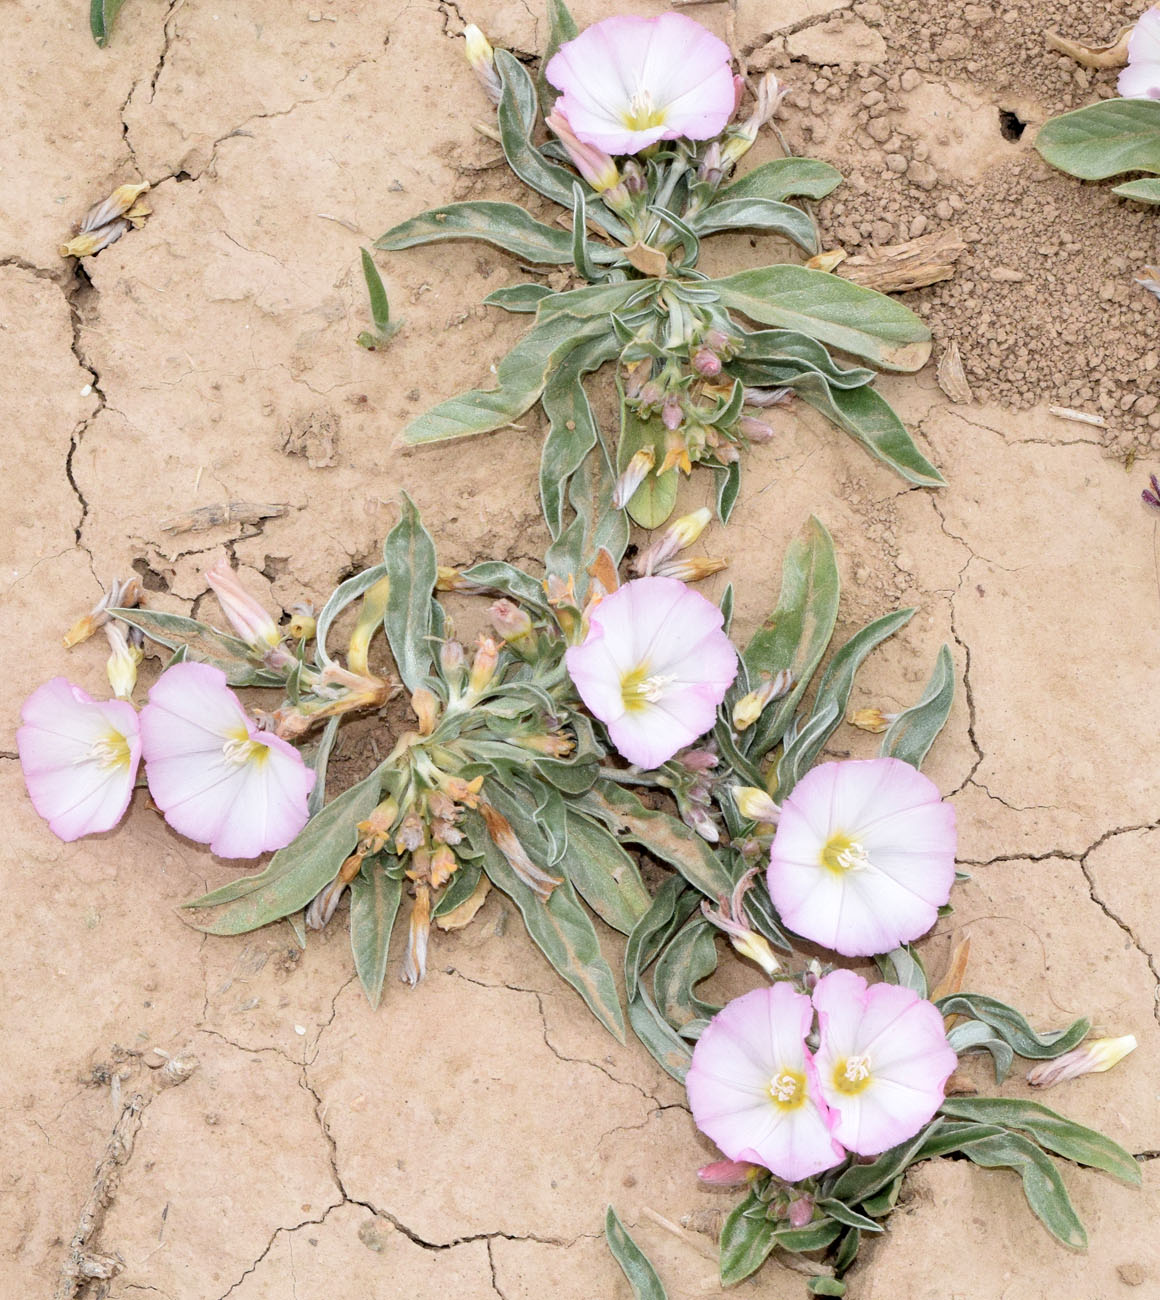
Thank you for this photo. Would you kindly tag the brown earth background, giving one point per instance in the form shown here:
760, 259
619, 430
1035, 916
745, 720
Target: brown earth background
464, 1139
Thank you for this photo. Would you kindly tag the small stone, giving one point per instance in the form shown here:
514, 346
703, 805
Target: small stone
910, 79
879, 129
1132, 1274
944, 211
922, 174
896, 162
1146, 405
917, 226
314, 16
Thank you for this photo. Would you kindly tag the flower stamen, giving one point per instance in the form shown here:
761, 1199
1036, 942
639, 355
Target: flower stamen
787, 1089
852, 1075
109, 753
842, 854
639, 688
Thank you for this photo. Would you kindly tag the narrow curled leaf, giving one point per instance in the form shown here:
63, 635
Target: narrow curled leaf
1104, 139
202, 644
688, 958
296, 873
409, 557
975, 1035
503, 225
642, 1277
1053, 1131
911, 734
904, 966
518, 297
561, 28
374, 904
1013, 1028
346, 593
830, 309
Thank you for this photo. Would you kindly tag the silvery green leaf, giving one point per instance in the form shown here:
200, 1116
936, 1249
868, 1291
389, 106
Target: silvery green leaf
758, 214
1054, 1132
795, 635
604, 875
856, 1183
102, 16
296, 873
461, 888
595, 525
1104, 139
409, 557
783, 178
561, 28
1013, 1028
1143, 191
374, 903
823, 1285
318, 762
688, 958
904, 966
841, 1213
975, 1035
789, 347
202, 644
911, 734
642, 1277
834, 311
670, 908
1042, 1185
503, 225
746, 1241
518, 297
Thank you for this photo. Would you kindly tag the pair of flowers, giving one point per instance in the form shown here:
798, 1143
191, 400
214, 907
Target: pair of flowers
877, 1076
216, 778
864, 854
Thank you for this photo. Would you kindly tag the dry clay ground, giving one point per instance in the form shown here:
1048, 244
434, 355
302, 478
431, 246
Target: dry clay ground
464, 1139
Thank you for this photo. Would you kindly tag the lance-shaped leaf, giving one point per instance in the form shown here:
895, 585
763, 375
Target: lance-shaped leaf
409, 556
503, 225
904, 966
509, 581
597, 524
642, 1277
346, 593
374, 904
1104, 139
747, 1239
1054, 1132
604, 875
669, 910
975, 1035
571, 426
1143, 191
203, 644
757, 214
795, 635
560, 928
102, 16
518, 297
516, 116
783, 178
830, 309
831, 700
911, 734
296, 873
657, 833
871, 420
1042, 1185
561, 28
688, 958
798, 351
1013, 1028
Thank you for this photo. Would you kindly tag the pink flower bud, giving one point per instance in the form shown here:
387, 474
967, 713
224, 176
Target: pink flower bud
801, 1211
706, 363
671, 415
727, 1173
592, 163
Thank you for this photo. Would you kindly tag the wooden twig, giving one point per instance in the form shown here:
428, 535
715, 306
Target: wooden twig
898, 267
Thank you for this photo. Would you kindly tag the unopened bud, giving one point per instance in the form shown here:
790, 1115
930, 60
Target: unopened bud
676, 454
452, 660
706, 363
426, 707
248, 619
444, 864
748, 709
376, 829
482, 59
635, 473
755, 804
690, 569
680, 533
767, 396
671, 414
1092, 1057
551, 744
754, 430
511, 622
801, 1211
597, 167
728, 1173
483, 666
652, 394
873, 720
633, 176
727, 453
710, 168
410, 835
302, 625
122, 662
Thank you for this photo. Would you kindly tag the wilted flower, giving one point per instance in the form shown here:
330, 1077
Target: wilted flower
79, 757
1152, 498
628, 82
370, 619
749, 707
741, 141
504, 838
121, 665
864, 856
883, 1060
680, 533
1141, 78
1092, 1057
654, 667
872, 720
107, 221
753, 1086
120, 595
635, 473
730, 916
415, 958
217, 779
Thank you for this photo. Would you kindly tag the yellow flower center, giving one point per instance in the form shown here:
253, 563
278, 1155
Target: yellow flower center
638, 688
110, 752
842, 853
239, 749
852, 1075
641, 114
787, 1089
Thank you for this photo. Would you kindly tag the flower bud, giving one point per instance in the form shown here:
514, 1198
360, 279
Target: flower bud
671, 414
727, 453
728, 1173
504, 838
482, 59
710, 168
302, 625
706, 363
370, 619
122, 662
426, 707
634, 178
415, 960
748, 709
635, 473
873, 720
692, 569
755, 804
444, 864
483, 666
452, 660
1092, 1057
801, 1211
676, 454
248, 619
744, 135
652, 394
680, 533
597, 168
511, 622
376, 829
754, 430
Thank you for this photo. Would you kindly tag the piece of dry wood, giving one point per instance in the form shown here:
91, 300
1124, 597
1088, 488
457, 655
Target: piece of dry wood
1114, 55
233, 512
951, 376
895, 268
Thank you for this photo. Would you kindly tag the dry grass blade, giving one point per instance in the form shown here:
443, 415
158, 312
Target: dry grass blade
232, 512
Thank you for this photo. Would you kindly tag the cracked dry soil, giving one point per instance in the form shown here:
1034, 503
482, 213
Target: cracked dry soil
464, 1139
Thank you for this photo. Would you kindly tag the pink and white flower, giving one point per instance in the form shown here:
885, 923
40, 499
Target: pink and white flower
864, 856
654, 667
883, 1060
628, 82
217, 779
79, 756
754, 1089
1141, 78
